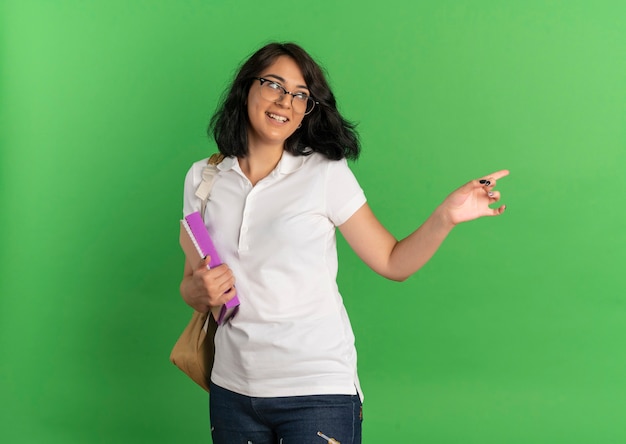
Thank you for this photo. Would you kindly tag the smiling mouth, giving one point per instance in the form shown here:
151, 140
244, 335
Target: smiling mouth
276, 117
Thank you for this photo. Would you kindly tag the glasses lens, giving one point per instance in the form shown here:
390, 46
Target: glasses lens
299, 103
270, 90
310, 104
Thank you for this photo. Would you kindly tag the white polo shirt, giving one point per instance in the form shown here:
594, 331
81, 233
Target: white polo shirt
292, 335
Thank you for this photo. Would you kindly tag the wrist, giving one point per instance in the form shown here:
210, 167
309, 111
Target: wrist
443, 218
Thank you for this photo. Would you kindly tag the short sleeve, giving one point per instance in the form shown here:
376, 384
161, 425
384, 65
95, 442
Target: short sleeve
344, 195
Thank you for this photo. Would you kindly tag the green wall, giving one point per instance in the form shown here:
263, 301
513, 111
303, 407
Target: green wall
513, 333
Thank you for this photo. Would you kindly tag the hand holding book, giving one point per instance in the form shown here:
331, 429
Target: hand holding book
197, 245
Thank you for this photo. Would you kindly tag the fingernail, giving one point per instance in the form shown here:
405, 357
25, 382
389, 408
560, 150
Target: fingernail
483, 181
490, 194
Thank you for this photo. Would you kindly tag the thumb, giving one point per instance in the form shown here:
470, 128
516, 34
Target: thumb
204, 262
496, 211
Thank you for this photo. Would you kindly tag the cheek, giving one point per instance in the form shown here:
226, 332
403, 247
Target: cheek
298, 119
252, 102
252, 108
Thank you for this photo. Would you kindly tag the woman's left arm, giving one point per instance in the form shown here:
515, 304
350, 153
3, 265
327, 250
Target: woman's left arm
397, 260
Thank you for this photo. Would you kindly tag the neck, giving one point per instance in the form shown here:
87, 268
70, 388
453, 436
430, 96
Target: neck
260, 162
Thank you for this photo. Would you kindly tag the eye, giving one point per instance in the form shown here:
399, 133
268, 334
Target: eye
301, 97
274, 86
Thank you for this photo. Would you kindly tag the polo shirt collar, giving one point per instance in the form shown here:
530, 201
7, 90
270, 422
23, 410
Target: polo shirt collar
228, 164
288, 163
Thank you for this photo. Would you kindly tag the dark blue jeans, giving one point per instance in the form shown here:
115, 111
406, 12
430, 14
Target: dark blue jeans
239, 419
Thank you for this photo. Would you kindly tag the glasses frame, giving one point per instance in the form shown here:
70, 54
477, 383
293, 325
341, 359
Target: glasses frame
263, 80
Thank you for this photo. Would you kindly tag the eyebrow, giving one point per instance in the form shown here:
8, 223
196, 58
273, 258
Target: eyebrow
280, 79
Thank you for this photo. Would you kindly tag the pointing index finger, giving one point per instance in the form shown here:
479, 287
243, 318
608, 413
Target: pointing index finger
498, 174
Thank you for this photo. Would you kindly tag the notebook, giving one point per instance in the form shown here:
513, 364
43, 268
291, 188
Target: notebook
197, 244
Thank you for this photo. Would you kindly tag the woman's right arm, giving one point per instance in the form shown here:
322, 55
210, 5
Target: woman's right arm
203, 288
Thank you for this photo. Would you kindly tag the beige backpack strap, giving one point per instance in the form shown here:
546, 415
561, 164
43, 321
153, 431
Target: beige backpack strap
209, 174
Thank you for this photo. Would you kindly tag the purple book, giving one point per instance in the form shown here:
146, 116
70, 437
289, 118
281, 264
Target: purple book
198, 245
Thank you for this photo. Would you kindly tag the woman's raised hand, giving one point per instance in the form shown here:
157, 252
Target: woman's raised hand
472, 200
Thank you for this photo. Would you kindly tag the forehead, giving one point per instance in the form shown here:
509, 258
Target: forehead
286, 70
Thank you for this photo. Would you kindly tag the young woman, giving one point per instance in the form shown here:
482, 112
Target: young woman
285, 365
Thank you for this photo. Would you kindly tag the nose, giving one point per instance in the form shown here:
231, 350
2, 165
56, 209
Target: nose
284, 100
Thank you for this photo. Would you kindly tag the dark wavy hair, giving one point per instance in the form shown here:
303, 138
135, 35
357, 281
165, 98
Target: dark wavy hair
324, 130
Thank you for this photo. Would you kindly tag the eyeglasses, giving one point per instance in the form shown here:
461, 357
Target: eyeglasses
302, 103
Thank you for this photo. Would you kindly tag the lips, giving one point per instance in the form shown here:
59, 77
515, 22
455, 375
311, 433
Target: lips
277, 117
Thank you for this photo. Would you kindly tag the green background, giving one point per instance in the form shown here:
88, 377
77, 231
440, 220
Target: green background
513, 333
